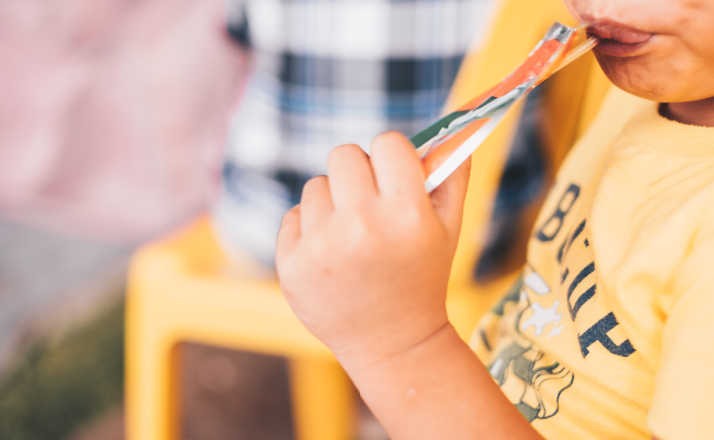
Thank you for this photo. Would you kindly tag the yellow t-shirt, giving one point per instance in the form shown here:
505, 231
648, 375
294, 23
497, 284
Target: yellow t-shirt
609, 333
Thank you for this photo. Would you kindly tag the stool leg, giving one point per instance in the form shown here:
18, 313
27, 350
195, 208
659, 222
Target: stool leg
323, 400
151, 385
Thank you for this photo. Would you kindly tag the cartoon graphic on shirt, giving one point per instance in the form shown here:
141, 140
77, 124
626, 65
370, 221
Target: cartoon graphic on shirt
530, 378
541, 317
560, 301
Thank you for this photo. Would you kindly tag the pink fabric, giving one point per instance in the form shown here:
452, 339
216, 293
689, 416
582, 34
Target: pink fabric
113, 113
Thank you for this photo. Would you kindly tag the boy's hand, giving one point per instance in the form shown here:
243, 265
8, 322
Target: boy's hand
364, 260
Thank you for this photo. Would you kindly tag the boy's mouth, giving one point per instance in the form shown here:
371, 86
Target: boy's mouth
618, 40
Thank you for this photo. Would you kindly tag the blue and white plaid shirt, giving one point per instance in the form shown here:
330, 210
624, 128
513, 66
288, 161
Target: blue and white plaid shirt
328, 72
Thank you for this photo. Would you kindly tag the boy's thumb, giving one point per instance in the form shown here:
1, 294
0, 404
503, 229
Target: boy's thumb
448, 199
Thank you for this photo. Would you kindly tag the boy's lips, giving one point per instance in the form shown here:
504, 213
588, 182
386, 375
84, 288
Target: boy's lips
618, 40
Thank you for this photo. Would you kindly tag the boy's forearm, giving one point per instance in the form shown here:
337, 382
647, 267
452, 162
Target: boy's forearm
438, 389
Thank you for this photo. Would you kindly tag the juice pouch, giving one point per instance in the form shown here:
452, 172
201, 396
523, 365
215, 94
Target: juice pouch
446, 144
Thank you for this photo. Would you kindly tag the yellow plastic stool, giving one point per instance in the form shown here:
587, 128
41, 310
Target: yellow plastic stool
177, 296
178, 289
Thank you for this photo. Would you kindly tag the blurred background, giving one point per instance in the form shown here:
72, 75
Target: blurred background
120, 122
112, 127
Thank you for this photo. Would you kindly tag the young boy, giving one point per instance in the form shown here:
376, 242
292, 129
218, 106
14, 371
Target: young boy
609, 333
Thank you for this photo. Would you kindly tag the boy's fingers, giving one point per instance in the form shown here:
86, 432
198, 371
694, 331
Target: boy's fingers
351, 178
397, 167
316, 203
289, 232
448, 198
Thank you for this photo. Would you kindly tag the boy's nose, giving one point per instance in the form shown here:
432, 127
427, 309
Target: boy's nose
588, 11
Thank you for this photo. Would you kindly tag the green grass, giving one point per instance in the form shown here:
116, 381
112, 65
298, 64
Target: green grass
61, 385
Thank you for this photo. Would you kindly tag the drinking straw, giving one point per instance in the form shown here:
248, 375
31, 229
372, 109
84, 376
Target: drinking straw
447, 143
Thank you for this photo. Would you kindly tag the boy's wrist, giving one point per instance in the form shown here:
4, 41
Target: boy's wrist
438, 389
434, 343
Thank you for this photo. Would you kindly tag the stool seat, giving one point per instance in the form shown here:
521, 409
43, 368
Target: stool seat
185, 277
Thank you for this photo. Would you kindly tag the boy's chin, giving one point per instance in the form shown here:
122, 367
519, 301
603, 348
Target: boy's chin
640, 78
637, 79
